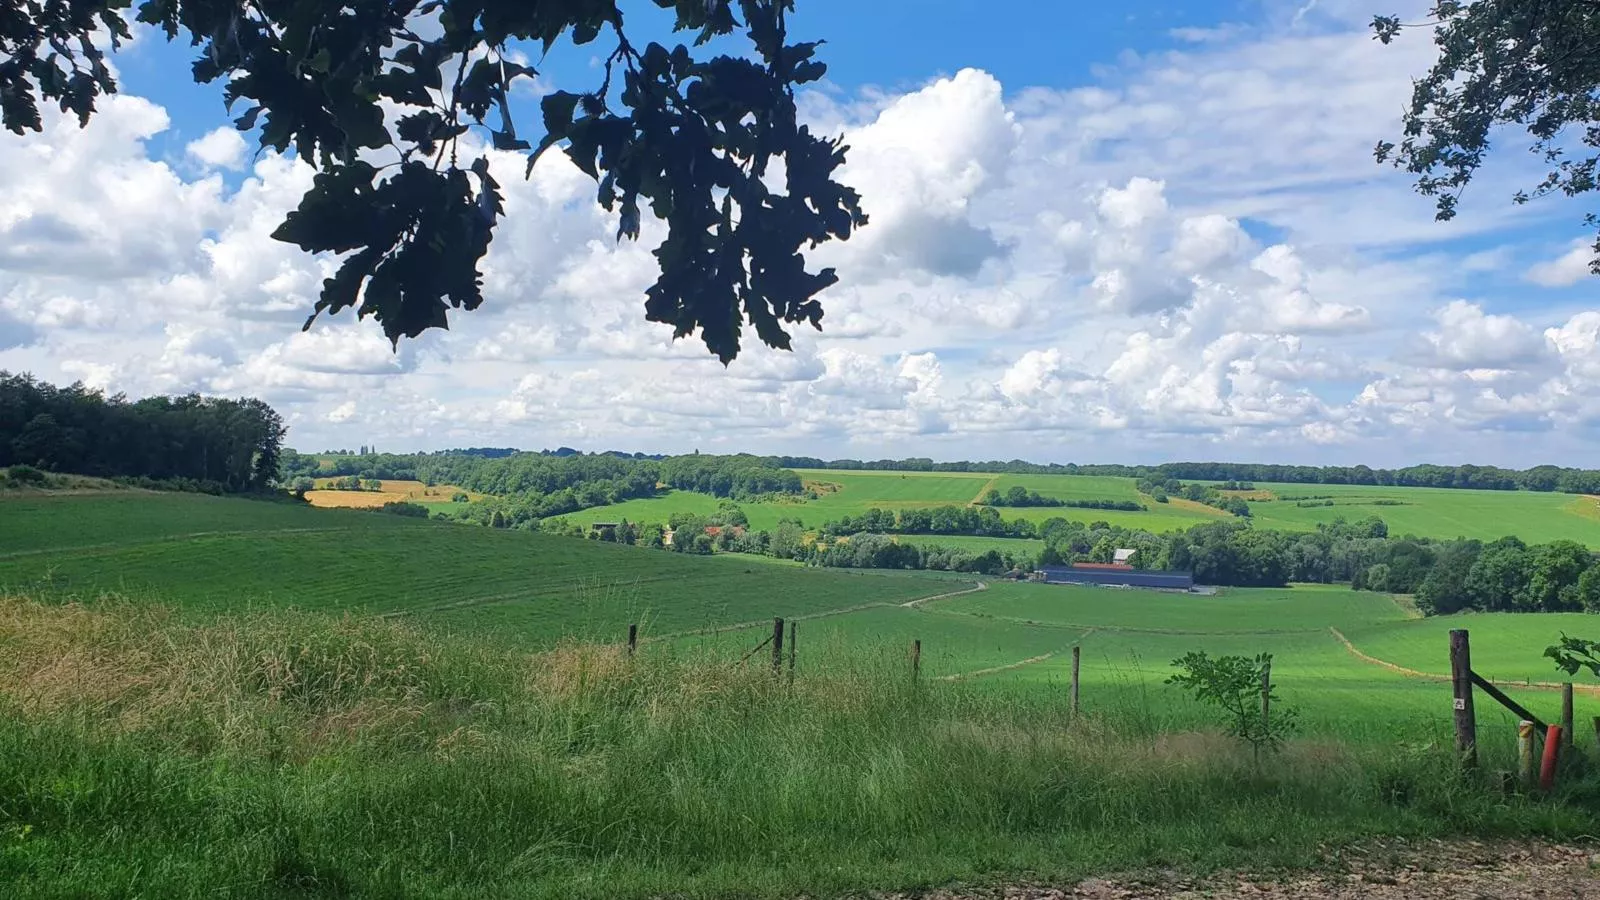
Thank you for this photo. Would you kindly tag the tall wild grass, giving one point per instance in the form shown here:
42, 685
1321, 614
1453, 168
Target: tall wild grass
290, 755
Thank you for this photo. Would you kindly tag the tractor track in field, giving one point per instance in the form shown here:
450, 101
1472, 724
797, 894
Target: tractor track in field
719, 629
881, 604
976, 587
987, 487
1123, 629
977, 673
1433, 676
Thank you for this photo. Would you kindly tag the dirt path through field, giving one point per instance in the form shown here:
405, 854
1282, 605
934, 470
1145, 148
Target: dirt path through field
1431, 870
976, 587
987, 487
740, 626
993, 669
1433, 676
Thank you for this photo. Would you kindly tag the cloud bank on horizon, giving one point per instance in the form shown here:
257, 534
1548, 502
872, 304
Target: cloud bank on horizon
1193, 256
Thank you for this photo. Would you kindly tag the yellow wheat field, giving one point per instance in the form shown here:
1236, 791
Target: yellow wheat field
393, 491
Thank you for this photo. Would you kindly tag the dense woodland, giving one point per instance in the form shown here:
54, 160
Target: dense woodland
200, 443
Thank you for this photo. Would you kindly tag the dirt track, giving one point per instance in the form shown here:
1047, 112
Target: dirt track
1395, 871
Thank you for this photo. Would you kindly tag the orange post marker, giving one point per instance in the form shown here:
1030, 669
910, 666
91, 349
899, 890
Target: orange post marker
1552, 754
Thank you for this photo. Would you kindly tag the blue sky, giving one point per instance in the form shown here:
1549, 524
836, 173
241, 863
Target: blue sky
1136, 231
891, 44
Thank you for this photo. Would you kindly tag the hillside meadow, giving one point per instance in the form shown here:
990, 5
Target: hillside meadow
306, 702
208, 554
1535, 517
1425, 512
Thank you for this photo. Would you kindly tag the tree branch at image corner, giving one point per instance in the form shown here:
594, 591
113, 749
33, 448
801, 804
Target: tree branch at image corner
689, 135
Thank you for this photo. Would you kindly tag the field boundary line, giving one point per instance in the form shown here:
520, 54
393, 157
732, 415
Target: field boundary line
1431, 676
976, 587
1131, 629
993, 669
741, 626
877, 604
987, 486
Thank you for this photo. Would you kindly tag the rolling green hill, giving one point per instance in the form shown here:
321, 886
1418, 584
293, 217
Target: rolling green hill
1425, 512
1437, 512
204, 553
442, 723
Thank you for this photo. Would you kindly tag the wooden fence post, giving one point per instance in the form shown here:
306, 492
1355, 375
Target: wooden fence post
1461, 685
1525, 754
777, 645
916, 658
1597, 729
1266, 697
1077, 653
793, 640
1566, 715
633, 638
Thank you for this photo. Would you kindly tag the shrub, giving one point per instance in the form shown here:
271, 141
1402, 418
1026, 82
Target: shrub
23, 474
405, 508
1235, 685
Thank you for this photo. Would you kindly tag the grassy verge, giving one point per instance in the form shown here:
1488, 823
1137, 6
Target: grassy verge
296, 755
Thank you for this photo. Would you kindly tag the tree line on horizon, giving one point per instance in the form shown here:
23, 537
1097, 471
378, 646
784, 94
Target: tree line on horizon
210, 444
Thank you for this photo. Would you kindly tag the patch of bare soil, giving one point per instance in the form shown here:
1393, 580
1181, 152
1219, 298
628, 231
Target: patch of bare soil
1466, 870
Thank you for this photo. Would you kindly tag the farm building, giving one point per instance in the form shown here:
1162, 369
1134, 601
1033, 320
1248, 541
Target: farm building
1123, 558
1111, 575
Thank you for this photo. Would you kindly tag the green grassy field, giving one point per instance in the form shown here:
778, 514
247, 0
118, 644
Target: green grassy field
1438, 512
1426, 512
211, 554
1257, 611
422, 723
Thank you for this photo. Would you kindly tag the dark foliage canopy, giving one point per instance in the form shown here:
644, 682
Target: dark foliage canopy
1528, 63
693, 138
210, 443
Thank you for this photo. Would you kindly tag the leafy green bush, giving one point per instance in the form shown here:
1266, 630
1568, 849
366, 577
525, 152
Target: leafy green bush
23, 474
1573, 654
1237, 685
405, 508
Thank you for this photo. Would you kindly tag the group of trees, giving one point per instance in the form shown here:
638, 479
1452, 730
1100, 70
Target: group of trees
984, 521
1446, 576
740, 477
524, 488
1503, 576
1162, 490
207, 443
1019, 496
